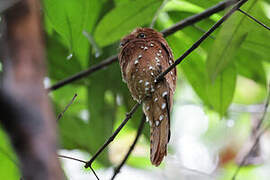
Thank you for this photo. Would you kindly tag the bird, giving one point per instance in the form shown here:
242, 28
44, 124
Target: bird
144, 54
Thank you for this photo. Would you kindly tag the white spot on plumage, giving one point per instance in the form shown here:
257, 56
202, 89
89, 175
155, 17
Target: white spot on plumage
171, 73
151, 44
145, 48
157, 60
143, 70
152, 90
150, 123
146, 89
142, 47
151, 68
147, 119
158, 86
163, 106
136, 61
152, 73
157, 123
146, 83
158, 54
160, 51
140, 81
140, 56
147, 108
156, 99
170, 62
164, 94
137, 70
161, 117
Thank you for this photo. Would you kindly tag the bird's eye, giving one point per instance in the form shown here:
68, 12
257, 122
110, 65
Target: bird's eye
141, 35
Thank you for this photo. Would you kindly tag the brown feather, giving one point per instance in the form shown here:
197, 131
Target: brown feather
142, 58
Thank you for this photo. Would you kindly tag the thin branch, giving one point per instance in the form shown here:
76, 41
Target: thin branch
128, 116
254, 19
60, 115
79, 160
253, 147
157, 13
198, 17
265, 109
139, 132
71, 158
257, 140
203, 37
182, 24
84, 73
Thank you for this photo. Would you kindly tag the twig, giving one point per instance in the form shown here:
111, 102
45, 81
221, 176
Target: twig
254, 19
265, 109
128, 116
198, 17
79, 160
72, 158
84, 73
257, 138
182, 24
60, 115
139, 132
203, 37
157, 13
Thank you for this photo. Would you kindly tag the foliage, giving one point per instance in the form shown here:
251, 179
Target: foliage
81, 33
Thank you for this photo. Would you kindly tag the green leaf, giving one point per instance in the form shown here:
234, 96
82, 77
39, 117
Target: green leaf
59, 67
221, 91
124, 18
227, 42
248, 67
70, 19
9, 166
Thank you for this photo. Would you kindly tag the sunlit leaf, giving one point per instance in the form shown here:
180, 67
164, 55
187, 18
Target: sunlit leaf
221, 91
125, 18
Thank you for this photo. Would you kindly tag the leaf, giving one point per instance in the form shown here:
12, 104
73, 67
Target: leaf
227, 42
59, 67
248, 67
221, 91
9, 165
124, 18
69, 19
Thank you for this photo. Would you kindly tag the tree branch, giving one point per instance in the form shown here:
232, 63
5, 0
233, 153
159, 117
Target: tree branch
60, 115
203, 37
139, 132
254, 19
257, 140
182, 24
128, 116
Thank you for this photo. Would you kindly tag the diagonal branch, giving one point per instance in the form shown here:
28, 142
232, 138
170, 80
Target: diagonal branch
128, 116
203, 37
182, 24
60, 115
254, 19
257, 140
139, 132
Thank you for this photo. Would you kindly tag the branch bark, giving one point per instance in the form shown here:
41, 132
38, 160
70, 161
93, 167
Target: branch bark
27, 116
139, 132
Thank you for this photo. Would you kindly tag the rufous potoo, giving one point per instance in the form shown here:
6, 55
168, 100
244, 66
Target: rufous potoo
144, 54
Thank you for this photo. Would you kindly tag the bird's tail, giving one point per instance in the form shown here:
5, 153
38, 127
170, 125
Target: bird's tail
157, 111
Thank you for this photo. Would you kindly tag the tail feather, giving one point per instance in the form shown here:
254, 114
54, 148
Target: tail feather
157, 109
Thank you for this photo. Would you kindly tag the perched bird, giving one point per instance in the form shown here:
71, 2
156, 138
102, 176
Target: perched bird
144, 54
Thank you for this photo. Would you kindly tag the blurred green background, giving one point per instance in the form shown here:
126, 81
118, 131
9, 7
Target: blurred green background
221, 89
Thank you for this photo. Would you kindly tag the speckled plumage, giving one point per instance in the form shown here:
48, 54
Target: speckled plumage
143, 56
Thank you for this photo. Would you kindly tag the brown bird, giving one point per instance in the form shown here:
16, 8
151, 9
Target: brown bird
144, 54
